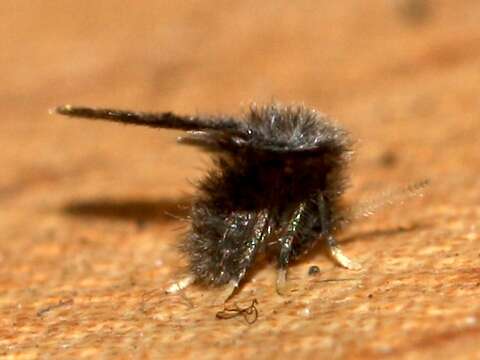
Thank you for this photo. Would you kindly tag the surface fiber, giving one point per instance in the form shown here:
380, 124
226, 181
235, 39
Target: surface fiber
91, 212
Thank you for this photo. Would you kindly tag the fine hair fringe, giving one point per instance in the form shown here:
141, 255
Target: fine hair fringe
387, 198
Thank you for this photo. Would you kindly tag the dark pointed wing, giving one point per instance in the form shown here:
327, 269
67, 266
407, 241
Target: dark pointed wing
165, 120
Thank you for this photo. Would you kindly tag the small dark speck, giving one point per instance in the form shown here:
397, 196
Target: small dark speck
50, 234
313, 270
388, 159
84, 240
370, 296
61, 303
414, 12
141, 224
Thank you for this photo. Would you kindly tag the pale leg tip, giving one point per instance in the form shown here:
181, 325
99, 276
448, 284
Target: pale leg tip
337, 254
180, 285
281, 285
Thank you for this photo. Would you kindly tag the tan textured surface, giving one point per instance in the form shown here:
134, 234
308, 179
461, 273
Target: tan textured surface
85, 242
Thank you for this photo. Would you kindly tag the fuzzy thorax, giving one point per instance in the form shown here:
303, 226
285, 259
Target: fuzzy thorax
279, 159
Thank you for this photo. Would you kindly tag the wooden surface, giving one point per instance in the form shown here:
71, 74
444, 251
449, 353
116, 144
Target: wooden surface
89, 213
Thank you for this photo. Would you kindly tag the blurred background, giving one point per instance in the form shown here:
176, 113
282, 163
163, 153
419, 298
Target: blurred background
403, 76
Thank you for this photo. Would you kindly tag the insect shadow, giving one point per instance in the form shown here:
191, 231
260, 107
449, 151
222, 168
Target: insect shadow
371, 235
365, 236
141, 210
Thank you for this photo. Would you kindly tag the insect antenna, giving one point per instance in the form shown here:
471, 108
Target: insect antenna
165, 120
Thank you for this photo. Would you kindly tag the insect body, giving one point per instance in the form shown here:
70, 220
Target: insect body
278, 175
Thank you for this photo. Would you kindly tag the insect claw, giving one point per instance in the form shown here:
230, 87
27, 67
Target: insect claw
226, 292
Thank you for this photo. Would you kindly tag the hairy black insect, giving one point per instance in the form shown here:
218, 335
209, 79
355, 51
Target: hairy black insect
279, 173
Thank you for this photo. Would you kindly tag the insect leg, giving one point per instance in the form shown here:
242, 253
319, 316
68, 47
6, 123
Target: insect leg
286, 241
332, 246
259, 231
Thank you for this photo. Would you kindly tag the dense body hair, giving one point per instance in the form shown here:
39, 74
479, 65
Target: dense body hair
278, 175
291, 156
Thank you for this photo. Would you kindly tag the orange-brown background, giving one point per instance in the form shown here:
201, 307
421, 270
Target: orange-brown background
89, 211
